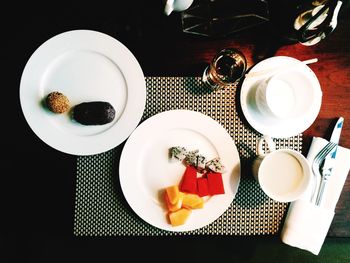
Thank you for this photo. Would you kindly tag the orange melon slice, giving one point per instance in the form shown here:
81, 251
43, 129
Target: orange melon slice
173, 194
173, 207
192, 201
179, 217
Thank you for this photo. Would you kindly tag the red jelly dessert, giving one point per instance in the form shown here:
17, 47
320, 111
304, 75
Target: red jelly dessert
189, 180
215, 184
202, 186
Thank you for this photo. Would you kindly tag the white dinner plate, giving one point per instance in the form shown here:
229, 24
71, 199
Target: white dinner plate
278, 128
145, 169
85, 66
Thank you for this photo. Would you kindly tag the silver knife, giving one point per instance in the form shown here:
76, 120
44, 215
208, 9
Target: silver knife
329, 162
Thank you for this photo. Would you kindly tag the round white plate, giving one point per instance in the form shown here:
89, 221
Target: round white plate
270, 126
145, 169
85, 66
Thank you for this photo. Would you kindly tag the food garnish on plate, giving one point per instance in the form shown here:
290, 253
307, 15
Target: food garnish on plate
201, 178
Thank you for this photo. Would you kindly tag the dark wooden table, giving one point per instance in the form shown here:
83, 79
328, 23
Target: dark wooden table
38, 187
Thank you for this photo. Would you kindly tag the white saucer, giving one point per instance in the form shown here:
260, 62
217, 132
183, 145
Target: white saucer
274, 127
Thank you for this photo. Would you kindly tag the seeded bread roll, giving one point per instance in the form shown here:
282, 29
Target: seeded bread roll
94, 113
57, 102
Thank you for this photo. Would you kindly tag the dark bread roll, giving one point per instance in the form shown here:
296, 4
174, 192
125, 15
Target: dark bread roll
94, 113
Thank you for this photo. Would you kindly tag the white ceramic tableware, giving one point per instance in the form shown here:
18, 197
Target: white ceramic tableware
306, 110
145, 168
176, 5
284, 174
284, 95
84, 65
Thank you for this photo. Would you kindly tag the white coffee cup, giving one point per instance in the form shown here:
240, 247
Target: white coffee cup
284, 174
284, 95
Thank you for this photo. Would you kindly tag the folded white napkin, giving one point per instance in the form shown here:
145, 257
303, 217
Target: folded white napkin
306, 225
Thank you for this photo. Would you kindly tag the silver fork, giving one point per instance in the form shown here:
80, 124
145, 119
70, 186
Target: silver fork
316, 165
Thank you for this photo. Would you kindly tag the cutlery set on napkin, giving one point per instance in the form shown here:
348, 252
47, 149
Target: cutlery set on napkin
309, 218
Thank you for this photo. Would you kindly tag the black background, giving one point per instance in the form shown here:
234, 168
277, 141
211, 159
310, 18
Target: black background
37, 183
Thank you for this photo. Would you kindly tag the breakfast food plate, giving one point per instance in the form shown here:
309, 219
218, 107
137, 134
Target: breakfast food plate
85, 66
280, 128
145, 168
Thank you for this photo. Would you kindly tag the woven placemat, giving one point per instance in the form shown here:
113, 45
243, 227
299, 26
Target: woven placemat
100, 207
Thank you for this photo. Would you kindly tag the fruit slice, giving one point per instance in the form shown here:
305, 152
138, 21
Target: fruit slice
189, 180
215, 165
173, 207
202, 186
179, 217
192, 201
215, 183
173, 194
